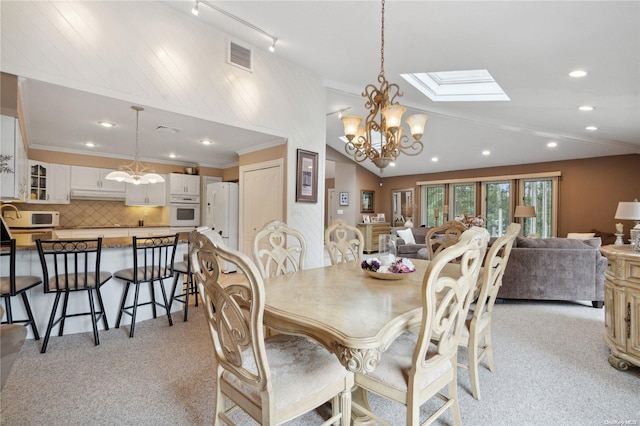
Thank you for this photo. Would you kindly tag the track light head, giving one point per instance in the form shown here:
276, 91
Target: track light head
195, 10
272, 48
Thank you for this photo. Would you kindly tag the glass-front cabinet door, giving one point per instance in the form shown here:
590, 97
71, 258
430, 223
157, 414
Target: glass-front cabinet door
49, 183
38, 174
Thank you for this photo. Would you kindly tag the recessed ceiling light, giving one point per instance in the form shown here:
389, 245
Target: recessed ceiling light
486, 152
106, 124
591, 128
586, 108
434, 159
172, 155
578, 73
552, 144
90, 144
206, 142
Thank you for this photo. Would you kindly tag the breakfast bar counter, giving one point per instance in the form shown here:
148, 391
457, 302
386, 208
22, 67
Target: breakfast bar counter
116, 254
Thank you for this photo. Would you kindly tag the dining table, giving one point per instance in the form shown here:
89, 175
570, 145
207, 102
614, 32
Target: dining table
352, 314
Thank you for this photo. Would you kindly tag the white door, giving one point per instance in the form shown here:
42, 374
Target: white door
261, 200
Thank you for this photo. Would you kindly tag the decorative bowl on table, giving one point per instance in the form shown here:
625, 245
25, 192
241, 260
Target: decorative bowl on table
393, 270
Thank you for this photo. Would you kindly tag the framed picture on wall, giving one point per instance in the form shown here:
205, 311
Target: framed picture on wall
307, 177
366, 201
344, 198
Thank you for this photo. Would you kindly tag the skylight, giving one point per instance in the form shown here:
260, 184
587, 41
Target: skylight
449, 86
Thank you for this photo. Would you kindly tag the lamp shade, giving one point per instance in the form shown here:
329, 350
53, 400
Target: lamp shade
351, 123
628, 210
525, 211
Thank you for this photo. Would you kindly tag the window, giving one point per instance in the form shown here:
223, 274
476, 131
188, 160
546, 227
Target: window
543, 195
500, 195
432, 198
463, 199
496, 198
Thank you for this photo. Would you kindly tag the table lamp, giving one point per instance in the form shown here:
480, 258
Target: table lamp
523, 212
629, 210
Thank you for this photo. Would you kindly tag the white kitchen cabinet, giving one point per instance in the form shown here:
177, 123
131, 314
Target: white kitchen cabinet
153, 194
13, 178
94, 179
49, 183
180, 184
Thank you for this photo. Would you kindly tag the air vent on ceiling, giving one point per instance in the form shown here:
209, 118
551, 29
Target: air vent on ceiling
167, 129
240, 56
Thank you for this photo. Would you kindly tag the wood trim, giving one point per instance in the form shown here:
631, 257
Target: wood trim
490, 178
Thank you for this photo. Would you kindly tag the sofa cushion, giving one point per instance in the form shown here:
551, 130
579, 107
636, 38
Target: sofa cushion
568, 243
406, 235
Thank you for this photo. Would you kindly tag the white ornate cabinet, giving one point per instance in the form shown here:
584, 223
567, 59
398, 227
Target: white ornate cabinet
622, 305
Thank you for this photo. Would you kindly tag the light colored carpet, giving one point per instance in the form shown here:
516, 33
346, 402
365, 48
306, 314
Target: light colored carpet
550, 357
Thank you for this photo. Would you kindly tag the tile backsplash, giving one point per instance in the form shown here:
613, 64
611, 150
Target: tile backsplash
81, 213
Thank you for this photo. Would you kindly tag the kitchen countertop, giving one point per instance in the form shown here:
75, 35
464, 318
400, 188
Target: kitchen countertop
107, 242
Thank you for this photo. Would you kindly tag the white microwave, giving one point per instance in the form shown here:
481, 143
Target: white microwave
31, 219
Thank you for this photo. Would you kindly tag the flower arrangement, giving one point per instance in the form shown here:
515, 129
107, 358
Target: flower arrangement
470, 220
400, 266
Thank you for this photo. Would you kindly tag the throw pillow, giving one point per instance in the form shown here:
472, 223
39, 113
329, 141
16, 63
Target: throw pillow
406, 235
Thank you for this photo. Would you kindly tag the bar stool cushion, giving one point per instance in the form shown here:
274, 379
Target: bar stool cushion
73, 285
22, 283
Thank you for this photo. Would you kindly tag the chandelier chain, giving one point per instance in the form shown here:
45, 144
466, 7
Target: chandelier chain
382, 42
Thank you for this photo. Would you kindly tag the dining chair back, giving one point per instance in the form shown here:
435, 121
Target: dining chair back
440, 237
278, 249
153, 262
256, 374
183, 269
345, 243
70, 266
417, 366
12, 337
12, 285
476, 335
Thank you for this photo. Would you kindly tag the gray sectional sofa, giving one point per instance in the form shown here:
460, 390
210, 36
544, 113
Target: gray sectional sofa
555, 269
410, 250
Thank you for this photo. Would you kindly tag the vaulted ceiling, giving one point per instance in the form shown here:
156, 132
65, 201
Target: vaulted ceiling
529, 47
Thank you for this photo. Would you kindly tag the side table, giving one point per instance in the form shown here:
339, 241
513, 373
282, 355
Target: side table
622, 305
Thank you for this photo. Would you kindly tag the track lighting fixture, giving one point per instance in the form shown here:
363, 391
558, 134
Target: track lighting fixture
274, 39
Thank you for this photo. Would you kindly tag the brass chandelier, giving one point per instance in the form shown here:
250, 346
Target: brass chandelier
385, 120
136, 173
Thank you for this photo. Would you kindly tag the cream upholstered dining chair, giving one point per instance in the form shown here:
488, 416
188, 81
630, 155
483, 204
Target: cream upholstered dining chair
345, 243
415, 368
476, 335
12, 337
440, 237
273, 379
278, 249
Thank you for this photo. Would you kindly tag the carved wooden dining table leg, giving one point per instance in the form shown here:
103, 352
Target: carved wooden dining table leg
360, 396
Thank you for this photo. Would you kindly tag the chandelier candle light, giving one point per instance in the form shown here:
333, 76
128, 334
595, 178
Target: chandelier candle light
136, 173
384, 119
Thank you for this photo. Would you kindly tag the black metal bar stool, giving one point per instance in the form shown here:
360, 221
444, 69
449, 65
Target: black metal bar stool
76, 267
13, 285
153, 259
183, 269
